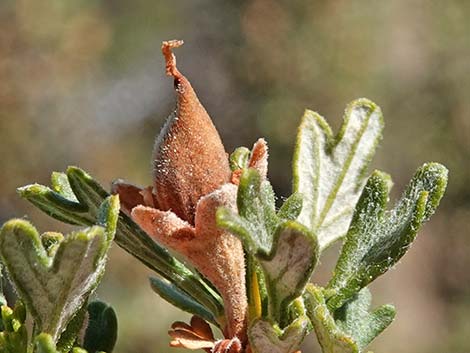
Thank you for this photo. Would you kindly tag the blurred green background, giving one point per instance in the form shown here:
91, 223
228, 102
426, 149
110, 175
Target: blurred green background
82, 83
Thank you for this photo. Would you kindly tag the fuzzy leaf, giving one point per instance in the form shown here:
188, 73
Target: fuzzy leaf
291, 208
265, 337
354, 318
239, 158
54, 288
257, 220
329, 171
60, 184
44, 343
69, 336
128, 234
101, 332
290, 264
14, 335
56, 205
180, 299
256, 206
286, 251
331, 338
377, 238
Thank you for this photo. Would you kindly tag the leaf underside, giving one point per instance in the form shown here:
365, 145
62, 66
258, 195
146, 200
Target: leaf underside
53, 288
330, 171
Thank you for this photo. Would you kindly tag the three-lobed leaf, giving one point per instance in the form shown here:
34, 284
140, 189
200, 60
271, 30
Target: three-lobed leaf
267, 337
329, 171
54, 288
378, 238
354, 318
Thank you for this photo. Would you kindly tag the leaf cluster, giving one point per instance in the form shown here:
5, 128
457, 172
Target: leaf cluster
54, 276
333, 200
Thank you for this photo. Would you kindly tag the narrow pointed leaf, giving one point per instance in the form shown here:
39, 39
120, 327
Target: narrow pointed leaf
180, 299
56, 205
377, 238
330, 170
264, 337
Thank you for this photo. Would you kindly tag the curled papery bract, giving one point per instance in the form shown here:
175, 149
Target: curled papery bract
189, 160
196, 335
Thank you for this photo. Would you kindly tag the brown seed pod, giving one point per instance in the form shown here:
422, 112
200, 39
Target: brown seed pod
189, 160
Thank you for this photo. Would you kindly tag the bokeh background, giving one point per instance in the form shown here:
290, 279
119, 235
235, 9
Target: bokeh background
82, 83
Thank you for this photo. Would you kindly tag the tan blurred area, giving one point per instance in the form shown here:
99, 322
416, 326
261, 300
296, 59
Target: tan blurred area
82, 83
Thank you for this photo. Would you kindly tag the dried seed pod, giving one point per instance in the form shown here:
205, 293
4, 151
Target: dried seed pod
189, 160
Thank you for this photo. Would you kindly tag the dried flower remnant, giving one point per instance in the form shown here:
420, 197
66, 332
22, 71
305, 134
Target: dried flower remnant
192, 179
196, 335
189, 158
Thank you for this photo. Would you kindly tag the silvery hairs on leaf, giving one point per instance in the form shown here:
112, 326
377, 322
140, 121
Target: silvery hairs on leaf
54, 287
266, 337
349, 329
286, 250
378, 238
329, 171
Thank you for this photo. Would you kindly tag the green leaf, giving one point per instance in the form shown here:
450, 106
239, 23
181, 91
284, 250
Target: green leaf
329, 171
286, 251
60, 184
266, 337
331, 338
354, 318
61, 205
44, 343
289, 266
377, 238
101, 332
256, 205
291, 208
56, 205
239, 158
53, 288
69, 336
180, 299
256, 220
14, 335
